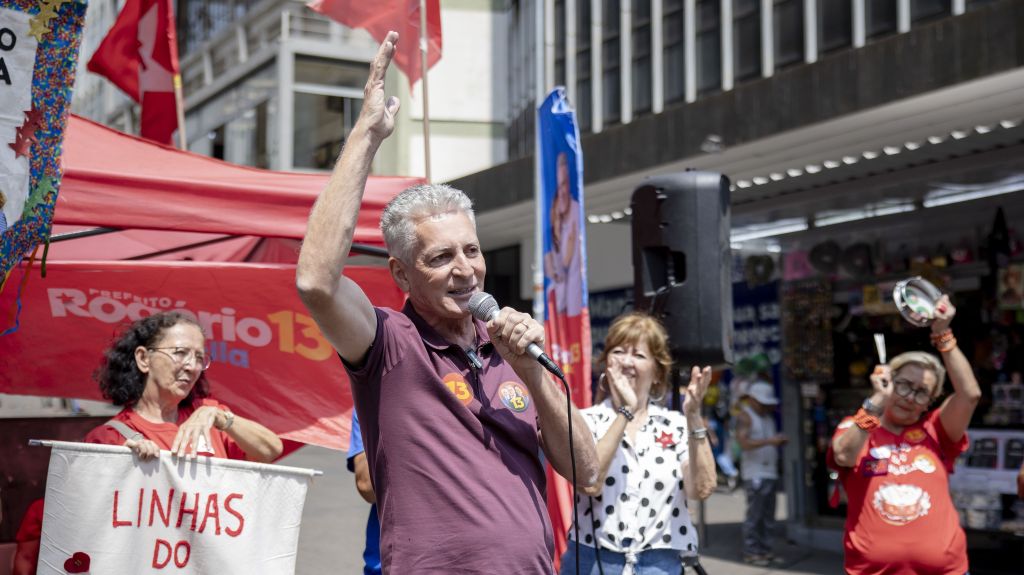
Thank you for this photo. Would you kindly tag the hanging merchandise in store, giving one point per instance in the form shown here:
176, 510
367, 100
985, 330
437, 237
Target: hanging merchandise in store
758, 270
856, 260
807, 331
1010, 287
825, 257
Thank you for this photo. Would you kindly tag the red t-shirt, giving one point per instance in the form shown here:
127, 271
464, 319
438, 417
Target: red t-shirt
163, 433
900, 518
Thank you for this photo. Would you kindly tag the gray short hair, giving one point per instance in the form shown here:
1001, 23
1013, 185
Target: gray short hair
403, 212
924, 360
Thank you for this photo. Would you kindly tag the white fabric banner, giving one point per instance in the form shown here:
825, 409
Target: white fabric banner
107, 512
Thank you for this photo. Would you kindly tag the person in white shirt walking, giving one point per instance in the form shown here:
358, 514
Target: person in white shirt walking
759, 439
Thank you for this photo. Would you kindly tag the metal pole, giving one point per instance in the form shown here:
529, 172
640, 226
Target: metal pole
538, 193
424, 47
179, 105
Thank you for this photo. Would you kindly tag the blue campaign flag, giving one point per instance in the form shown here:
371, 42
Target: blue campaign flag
563, 219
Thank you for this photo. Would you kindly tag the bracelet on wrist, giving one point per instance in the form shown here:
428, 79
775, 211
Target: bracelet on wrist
946, 346
626, 413
699, 433
940, 335
866, 421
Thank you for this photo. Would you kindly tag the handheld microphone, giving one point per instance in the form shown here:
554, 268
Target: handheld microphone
484, 308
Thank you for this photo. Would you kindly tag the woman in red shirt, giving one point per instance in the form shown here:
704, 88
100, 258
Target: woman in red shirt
155, 369
894, 458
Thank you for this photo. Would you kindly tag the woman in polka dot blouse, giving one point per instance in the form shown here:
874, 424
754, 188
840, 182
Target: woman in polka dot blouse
652, 459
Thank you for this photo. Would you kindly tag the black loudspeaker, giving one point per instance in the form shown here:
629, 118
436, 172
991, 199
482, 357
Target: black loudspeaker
682, 263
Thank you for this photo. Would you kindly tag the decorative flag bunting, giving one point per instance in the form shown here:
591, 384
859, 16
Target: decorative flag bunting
39, 41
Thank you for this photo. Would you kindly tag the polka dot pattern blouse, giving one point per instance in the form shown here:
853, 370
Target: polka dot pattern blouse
643, 505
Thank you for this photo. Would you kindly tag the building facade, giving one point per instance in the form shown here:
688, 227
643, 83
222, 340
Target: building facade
866, 140
272, 84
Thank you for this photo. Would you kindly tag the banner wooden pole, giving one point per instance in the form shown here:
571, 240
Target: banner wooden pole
424, 48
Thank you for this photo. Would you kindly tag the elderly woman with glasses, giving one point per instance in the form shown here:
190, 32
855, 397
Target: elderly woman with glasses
894, 458
155, 369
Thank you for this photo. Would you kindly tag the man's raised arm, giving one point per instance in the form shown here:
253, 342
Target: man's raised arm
337, 303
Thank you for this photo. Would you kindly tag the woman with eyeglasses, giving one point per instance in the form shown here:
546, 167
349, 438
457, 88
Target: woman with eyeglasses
155, 369
894, 458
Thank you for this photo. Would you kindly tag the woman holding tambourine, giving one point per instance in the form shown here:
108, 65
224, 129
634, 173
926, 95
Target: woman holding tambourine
894, 457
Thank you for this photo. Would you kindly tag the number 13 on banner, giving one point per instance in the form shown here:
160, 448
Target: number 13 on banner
314, 346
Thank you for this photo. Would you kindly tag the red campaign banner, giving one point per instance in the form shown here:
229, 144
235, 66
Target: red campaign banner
270, 361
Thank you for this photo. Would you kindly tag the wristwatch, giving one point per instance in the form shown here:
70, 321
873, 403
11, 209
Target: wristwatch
872, 408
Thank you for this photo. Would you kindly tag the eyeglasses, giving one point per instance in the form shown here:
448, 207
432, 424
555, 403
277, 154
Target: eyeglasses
184, 355
921, 396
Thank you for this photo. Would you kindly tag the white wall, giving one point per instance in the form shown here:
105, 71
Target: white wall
468, 97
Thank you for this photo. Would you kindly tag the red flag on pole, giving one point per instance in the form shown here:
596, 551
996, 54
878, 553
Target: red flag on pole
402, 16
139, 55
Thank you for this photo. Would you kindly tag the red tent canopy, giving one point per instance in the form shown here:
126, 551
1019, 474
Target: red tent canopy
112, 179
270, 361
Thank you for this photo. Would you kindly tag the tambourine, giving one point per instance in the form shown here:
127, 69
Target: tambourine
916, 299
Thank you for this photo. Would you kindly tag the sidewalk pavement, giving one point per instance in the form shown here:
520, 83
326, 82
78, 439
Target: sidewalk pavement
334, 522
721, 552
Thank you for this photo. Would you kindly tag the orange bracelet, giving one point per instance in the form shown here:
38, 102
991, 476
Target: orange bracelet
865, 420
942, 337
945, 346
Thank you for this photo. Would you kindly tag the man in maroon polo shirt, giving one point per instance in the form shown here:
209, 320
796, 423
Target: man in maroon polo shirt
454, 413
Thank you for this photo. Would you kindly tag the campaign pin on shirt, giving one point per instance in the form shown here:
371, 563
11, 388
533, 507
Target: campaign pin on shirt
665, 440
458, 386
514, 395
915, 435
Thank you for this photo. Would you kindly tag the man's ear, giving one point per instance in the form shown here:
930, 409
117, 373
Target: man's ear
398, 273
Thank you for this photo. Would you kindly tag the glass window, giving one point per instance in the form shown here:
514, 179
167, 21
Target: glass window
321, 124
611, 56
925, 9
333, 73
503, 278
746, 39
239, 124
246, 140
674, 50
583, 97
709, 46
976, 4
788, 21
218, 142
260, 140
201, 20
642, 56
881, 17
835, 25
